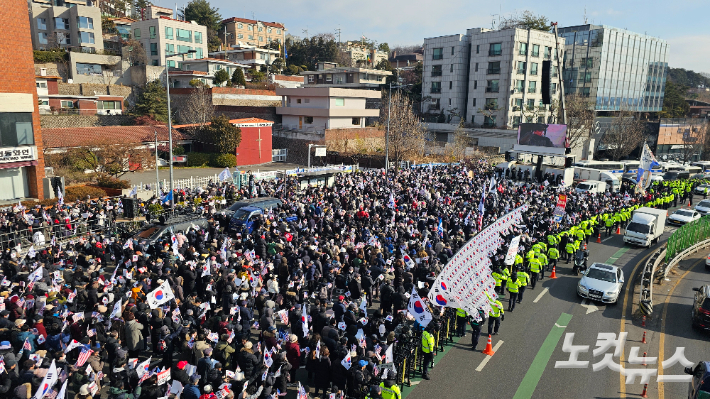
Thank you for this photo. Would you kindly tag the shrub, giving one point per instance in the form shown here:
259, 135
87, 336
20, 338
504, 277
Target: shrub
74, 193
198, 159
112, 182
155, 209
43, 57
224, 161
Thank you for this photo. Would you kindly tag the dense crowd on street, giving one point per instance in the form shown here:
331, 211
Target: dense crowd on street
319, 283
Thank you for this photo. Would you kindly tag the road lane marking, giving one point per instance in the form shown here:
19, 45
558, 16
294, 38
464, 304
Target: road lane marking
541, 294
617, 255
662, 339
591, 307
487, 358
607, 239
538, 365
629, 283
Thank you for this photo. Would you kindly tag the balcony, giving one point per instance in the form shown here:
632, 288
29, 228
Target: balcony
435, 90
436, 73
521, 71
492, 89
530, 108
495, 71
516, 108
542, 108
494, 53
532, 90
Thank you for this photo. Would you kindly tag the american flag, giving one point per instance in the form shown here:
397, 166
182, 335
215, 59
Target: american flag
91, 332
302, 392
376, 371
83, 356
27, 345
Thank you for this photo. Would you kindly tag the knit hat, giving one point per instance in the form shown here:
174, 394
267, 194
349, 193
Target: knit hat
182, 364
208, 351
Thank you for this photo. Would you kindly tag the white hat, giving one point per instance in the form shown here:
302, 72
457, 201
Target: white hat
84, 390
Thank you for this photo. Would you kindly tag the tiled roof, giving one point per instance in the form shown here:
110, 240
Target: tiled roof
188, 73
289, 78
251, 21
83, 136
232, 121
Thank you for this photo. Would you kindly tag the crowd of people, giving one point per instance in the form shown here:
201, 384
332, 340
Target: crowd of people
318, 283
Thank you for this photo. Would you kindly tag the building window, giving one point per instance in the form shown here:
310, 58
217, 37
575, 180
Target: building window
451, 85
540, 119
16, 129
154, 49
184, 35
169, 33
268, 30
85, 22
308, 120
198, 54
516, 121
169, 49
108, 105
489, 121
87, 37
474, 103
521, 67
436, 70
475, 84
311, 78
585, 91
137, 33
531, 104
261, 29
240, 36
278, 31
44, 102
452, 50
533, 68
553, 88
42, 85
249, 27
476, 68
339, 102
182, 49
251, 37
61, 23
517, 104
478, 48
451, 68
491, 104
493, 86
495, 49
240, 26
67, 104
436, 87
42, 23
548, 52
151, 31
449, 102
156, 63
519, 86
493, 68
532, 87
43, 38
438, 54
170, 63
588, 62
307, 100
88, 69
523, 49
586, 77
261, 38
536, 50
554, 71
298, 101
198, 37
356, 122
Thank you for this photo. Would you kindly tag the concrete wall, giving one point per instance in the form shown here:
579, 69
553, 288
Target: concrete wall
297, 145
109, 64
348, 141
65, 121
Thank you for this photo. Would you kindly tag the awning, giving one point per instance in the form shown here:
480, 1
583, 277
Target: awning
17, 164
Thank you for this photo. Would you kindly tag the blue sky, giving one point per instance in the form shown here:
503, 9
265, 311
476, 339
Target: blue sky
682, 23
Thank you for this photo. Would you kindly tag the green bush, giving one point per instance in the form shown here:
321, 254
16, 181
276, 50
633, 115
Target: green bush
74, 193
224, 161
198, 159
43, 57
155, 209
112, 182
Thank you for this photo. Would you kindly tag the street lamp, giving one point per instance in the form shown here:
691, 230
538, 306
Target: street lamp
170, 127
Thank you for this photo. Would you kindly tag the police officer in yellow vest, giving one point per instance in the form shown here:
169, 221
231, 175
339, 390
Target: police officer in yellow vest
428, 350
513, 286
461, 317
389, 387
523, 279
553, 254
569, 249
543, 263
495, 316
535, 271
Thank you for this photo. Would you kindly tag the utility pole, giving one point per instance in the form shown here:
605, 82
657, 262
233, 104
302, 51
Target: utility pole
559, 76
338, 31
387, 133
157, 175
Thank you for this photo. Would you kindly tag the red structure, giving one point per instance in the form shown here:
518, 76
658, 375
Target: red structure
255, 147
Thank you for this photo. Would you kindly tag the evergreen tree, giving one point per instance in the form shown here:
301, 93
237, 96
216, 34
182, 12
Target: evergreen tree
204, 14
238, 78
221, 135
220, 77
152, 102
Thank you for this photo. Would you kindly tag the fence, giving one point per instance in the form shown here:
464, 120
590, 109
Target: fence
191, 183
687, 236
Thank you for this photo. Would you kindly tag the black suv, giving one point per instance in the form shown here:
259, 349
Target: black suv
701, 308
162, 229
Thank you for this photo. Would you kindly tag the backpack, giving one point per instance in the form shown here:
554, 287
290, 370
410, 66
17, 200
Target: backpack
162, 346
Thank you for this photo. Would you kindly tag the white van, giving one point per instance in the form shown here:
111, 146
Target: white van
591, 186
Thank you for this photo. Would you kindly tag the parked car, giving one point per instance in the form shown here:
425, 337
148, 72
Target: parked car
700, 190
601, 282
161, 229
700, 384
683, 216
703, 207
700, 315
707, 262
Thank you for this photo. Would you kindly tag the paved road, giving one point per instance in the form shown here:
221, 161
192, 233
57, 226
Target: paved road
533, 335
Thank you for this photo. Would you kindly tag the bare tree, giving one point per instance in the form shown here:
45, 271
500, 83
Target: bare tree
136, 52
407, 135
198, 108
624, 135
580, 119
694, 136
461, 142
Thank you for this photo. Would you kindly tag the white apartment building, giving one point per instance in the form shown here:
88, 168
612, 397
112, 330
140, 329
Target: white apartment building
69, 24
163, 36
208, 66
362, 56
329, 74
253, 57
315, 109
496, 82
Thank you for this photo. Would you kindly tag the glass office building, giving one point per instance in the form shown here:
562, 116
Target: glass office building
615, 68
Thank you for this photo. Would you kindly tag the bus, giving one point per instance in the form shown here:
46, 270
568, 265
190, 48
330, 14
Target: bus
705, 165
615, 167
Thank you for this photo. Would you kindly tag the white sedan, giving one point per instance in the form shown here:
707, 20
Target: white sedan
683, 216
700, 190
703, 207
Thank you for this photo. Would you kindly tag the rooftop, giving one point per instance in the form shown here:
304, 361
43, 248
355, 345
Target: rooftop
84, 136
252, 21
237, 122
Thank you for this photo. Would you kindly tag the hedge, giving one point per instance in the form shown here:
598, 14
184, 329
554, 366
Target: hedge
74, 193
198, 159
112, 182
43, 57
224, 161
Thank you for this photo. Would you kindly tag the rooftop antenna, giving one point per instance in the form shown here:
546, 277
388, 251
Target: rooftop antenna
493, 21
585, 15
305, 31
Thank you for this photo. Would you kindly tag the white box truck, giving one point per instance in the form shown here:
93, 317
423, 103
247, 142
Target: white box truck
646, 226
583, 174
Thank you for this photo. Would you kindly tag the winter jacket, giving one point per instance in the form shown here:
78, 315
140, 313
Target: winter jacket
134, 336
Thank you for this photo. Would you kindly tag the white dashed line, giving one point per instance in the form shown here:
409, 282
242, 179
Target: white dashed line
485, 361
541, 294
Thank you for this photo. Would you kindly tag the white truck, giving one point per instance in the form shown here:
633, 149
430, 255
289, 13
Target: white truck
591, 186
583, 174
646, 226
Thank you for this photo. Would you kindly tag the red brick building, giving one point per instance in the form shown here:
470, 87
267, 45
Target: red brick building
21, 159
50, 101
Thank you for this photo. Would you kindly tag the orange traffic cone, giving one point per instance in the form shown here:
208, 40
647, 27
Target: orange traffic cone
585, 246
599, 238
644, 394
489, 348
618, 229
643, 340
553, 274
689, 203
